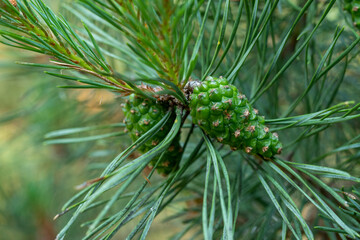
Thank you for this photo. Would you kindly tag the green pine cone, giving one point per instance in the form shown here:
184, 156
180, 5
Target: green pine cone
141, 115
225, 114
353, 7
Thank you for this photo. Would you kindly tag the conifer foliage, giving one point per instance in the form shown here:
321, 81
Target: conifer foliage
293, 60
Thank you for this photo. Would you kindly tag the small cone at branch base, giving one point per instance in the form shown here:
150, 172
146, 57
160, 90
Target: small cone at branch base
141, 115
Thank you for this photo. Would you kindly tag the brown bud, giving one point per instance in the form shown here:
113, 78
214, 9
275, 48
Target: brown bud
237, 133
229, 101
228, 115
264, 149
216, 124
13, 2
2, 3
248, 149
214, 107
251, 129
246, 113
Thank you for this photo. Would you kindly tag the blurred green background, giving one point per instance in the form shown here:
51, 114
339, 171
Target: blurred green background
37, 179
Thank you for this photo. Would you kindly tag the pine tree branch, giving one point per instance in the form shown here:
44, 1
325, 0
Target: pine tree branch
45, 33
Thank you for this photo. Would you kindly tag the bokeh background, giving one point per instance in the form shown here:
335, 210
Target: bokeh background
36, 178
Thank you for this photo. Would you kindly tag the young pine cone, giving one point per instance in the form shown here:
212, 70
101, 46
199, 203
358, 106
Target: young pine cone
225, 114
